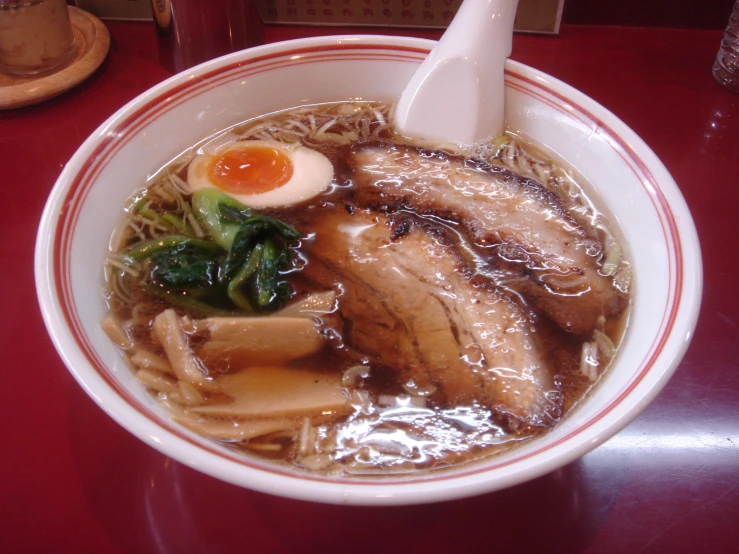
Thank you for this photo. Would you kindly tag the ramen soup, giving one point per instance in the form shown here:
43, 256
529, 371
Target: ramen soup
309, 288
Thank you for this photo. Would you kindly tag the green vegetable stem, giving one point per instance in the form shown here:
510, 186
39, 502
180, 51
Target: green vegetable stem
206, 205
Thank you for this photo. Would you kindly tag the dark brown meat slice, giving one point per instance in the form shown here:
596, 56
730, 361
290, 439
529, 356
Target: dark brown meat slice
512, 221
408, 305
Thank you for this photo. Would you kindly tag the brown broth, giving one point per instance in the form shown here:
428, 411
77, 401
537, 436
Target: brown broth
417, 432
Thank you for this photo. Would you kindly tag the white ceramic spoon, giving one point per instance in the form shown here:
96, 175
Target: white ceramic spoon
456, 95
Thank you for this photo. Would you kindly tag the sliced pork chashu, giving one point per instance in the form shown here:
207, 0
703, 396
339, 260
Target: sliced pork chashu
512, 221
407, 304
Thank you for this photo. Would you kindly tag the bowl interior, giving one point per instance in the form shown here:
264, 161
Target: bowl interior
628, 179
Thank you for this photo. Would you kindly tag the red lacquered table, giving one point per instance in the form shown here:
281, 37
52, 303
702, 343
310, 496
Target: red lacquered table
71, 480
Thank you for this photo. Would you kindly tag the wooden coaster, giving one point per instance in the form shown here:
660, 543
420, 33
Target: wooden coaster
91, 42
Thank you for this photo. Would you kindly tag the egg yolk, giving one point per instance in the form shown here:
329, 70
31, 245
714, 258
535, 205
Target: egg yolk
251, 170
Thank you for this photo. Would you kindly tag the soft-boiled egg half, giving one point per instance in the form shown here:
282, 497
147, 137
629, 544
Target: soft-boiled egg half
262, 173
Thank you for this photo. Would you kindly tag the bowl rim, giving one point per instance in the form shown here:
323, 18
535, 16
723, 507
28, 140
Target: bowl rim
438, 487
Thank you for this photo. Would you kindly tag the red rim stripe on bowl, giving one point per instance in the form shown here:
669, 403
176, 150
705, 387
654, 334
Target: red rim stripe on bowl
128, 127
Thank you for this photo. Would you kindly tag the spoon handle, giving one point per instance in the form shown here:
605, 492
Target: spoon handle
457, 94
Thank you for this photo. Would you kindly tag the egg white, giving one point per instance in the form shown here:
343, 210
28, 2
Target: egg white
312, 173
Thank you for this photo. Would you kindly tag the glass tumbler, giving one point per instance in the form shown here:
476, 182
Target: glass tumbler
193, 31
35, 36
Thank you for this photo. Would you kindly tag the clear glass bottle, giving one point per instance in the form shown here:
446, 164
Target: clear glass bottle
726, 68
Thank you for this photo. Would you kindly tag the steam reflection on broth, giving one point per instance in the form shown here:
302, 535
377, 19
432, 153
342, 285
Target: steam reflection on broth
397, 309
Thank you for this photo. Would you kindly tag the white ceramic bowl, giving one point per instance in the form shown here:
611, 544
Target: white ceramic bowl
86, 204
